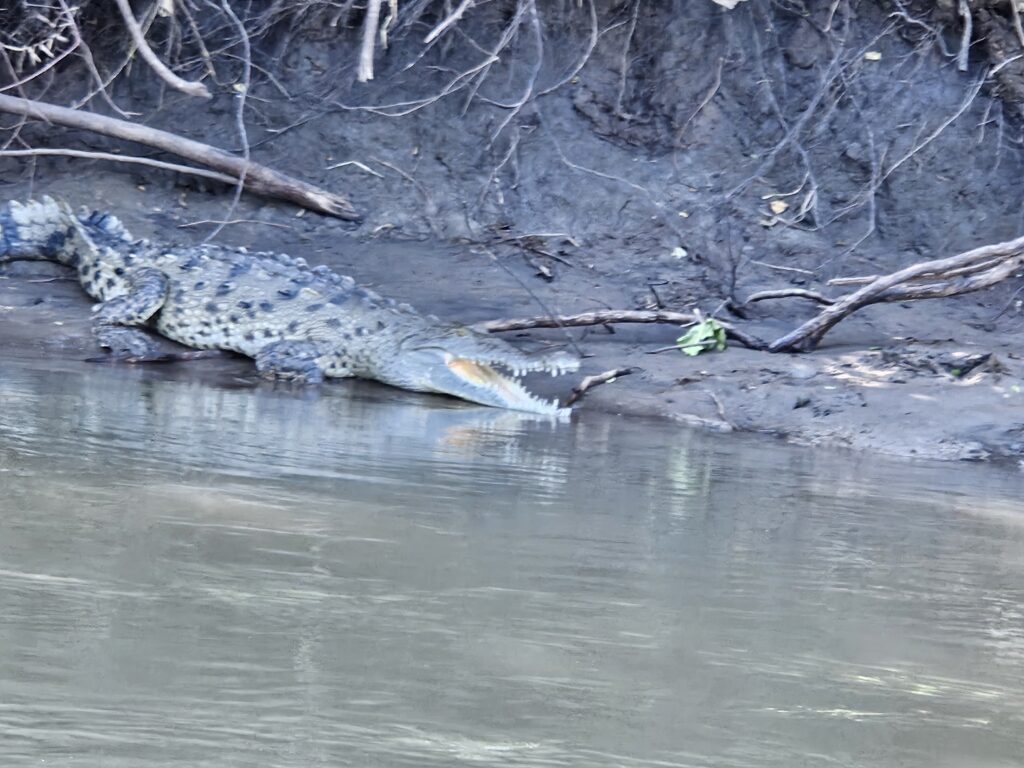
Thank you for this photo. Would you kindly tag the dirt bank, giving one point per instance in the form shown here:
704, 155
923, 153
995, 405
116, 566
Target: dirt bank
675, 156
879, 384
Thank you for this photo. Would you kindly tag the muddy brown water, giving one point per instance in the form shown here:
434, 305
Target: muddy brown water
210, 574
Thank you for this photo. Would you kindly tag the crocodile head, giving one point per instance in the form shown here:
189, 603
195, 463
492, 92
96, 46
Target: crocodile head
470, 365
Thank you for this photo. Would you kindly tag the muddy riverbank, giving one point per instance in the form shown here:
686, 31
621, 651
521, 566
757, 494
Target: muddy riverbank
617, 155
927, 379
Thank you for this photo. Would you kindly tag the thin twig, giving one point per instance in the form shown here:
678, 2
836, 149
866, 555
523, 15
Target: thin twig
448, 21
240, 95
786, 293
720, 407
704, 102
90, 62
550, 318
609, 316
258, 178
584, 58
89, 155
624, 66
429, 204
781, 268
357, 164
226, 222
594, 381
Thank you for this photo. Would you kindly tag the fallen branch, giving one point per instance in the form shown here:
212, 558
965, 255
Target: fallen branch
605, 317
594, 381
967, 272
161, 69
258, 178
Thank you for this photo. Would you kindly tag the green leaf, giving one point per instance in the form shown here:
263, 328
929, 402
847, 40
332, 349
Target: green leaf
704, 336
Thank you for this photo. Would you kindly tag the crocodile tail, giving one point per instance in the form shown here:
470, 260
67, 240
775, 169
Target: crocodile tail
105, 227
44, 230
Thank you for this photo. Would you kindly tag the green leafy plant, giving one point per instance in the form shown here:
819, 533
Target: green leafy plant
705, 336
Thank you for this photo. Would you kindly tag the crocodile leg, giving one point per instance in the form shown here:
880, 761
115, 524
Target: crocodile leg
290, 360
118, 321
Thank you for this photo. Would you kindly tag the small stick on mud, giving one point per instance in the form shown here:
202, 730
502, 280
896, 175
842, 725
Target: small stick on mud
258, 178
781, 268
720, 407
787, 293
162, 70
448, 21
607, 316
594, 381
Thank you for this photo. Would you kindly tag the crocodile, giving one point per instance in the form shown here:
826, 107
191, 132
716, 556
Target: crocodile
297, 322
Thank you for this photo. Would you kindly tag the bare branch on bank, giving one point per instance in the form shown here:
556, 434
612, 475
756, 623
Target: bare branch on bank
161, 69
609, 316
967, 272
257, 178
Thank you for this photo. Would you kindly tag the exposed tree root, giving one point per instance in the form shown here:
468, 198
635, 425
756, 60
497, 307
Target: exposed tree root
257, 178
165, 73
967, 272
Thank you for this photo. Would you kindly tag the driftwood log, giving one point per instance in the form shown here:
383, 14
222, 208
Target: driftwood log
257, 178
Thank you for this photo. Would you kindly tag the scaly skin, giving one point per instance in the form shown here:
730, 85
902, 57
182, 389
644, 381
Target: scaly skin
295, 321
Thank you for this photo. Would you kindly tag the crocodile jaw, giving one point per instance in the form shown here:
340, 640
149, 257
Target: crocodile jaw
488, 376
481, 382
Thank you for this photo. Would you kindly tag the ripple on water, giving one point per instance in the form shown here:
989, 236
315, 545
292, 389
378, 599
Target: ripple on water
201, 575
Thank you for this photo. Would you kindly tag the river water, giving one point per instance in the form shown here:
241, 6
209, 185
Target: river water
216, 574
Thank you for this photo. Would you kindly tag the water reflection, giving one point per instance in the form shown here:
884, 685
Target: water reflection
216, 575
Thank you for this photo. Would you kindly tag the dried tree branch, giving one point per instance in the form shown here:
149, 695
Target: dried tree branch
590, 382
964, 273
448, 21
609, 316
786, 293
161, 69
258, 178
